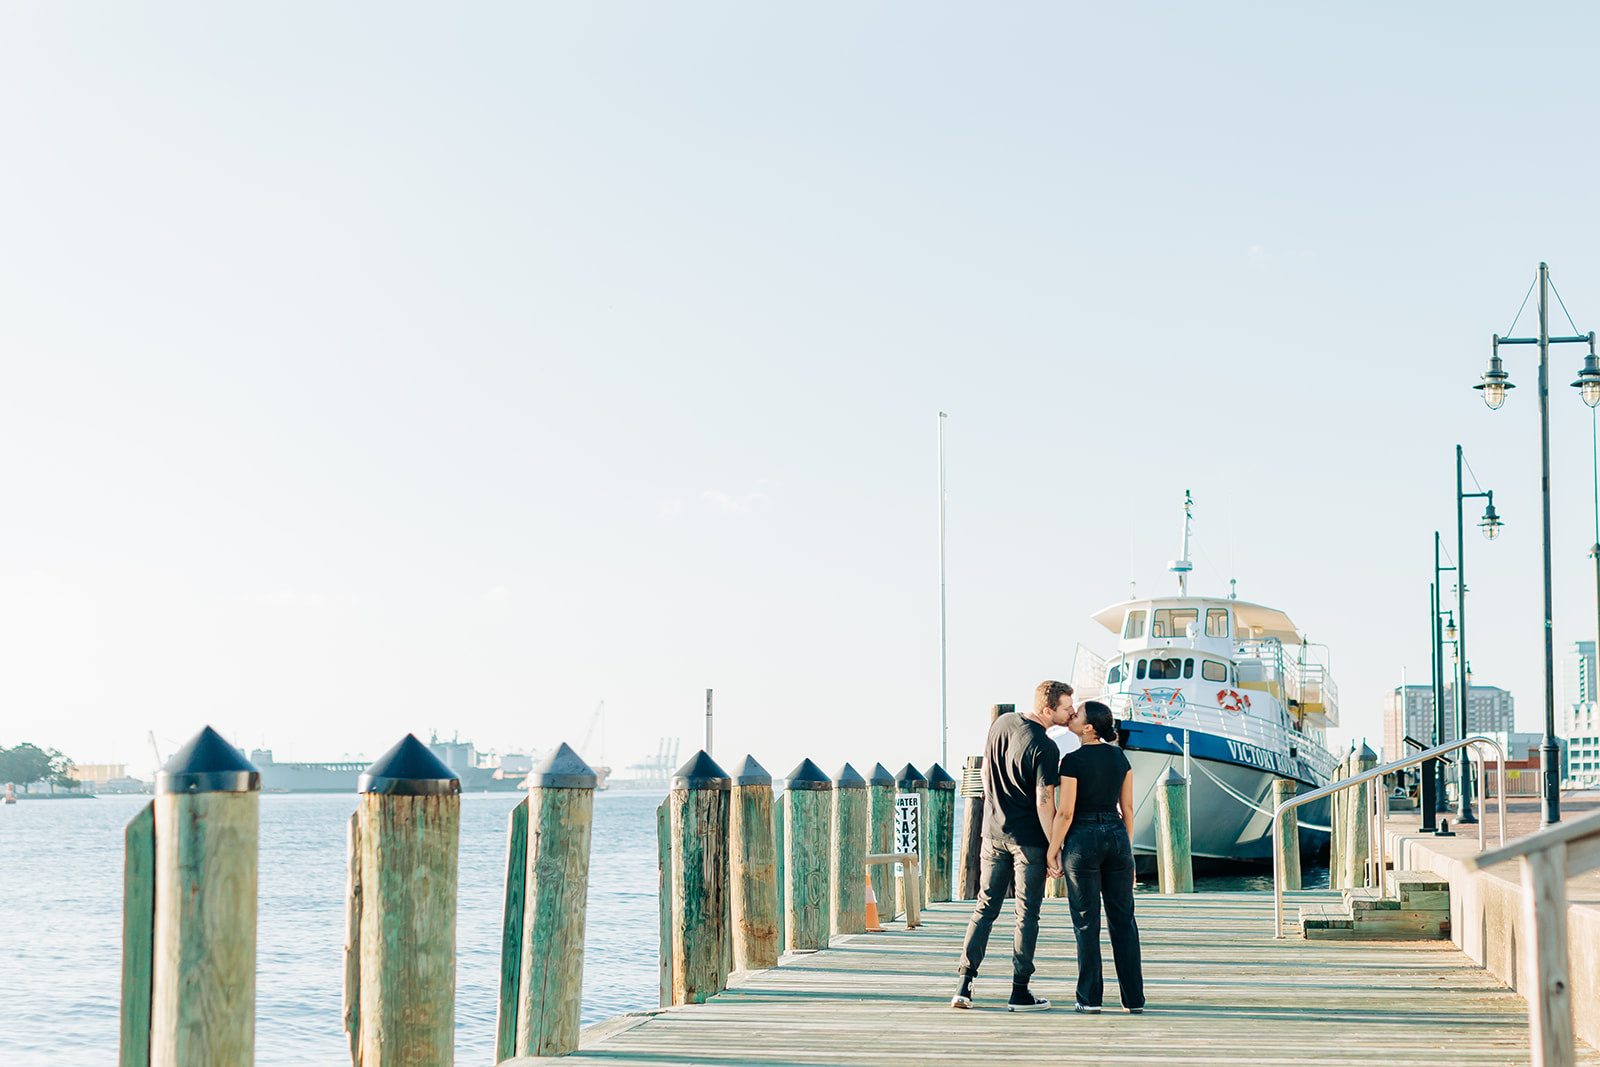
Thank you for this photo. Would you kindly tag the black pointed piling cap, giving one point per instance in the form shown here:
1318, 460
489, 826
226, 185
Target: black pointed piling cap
750, 772
849, 778
562, 769
939, 778
808, 776
909, 777
409, 770
1172, 777
701, 772
1366, 755
881, 775
208, 764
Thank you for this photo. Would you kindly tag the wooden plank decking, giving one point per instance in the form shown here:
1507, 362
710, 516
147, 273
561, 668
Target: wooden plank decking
1221, 991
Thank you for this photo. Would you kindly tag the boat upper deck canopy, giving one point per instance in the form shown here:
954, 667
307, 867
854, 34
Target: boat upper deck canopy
1252, 621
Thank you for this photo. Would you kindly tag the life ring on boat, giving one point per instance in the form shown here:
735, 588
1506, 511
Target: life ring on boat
1232, 700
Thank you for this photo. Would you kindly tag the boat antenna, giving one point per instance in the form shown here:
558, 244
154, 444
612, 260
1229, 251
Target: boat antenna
1181, 566
1233, 589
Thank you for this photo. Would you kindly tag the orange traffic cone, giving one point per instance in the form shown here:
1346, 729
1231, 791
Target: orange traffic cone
873, 926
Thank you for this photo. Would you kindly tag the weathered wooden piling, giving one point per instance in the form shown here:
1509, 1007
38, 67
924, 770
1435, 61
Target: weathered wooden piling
664, 899
408, 826
971, 827
777, 841
511, 931
138, 928
847, 881
754, 871
556, 888
941, 833
1287, 843
1338, 833
699, 804
203, 953
1172, 833
1355, 818
911, 806
880, 836
807, 813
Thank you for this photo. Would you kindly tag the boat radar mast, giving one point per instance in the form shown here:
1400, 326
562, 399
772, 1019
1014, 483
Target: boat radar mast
1181, 567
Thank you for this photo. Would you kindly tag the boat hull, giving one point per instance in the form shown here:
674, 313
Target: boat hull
1223, 827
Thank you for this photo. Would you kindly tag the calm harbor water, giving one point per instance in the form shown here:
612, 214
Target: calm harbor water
61, 924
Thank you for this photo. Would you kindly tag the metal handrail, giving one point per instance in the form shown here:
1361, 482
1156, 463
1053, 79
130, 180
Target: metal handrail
1367, 776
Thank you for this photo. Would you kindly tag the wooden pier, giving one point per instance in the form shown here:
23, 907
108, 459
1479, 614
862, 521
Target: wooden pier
1221, 990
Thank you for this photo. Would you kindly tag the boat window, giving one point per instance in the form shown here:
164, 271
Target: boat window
1114, 675
1188, 668
1162, 669
1212, 671
1216, 622
1173, 622
1141, 669
1135, 627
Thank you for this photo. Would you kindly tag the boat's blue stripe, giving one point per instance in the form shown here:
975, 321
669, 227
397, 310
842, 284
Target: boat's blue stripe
1152, 737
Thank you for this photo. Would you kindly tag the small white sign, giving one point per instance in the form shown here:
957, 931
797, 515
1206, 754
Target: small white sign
907, 824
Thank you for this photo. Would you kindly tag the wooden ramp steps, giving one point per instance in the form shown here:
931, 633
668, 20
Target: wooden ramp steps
1223, 992
1416, 907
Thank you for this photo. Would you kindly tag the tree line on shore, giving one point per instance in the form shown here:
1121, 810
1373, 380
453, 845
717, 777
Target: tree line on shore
27, 763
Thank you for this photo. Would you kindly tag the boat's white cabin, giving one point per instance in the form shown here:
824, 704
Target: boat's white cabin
1209, 647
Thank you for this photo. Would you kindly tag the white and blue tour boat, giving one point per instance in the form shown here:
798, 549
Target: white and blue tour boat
1228, 693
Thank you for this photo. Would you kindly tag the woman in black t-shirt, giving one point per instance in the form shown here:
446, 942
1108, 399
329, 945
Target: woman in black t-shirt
1092, 841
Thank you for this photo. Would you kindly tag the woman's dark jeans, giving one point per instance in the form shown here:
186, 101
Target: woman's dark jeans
1098, 859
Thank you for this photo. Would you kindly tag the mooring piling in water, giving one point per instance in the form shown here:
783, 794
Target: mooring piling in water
560, 808
1357, 830
807, 813
880, 836
754, 873
941, 833
698, 804
408, 828
1173, 864
202, 1007
971, 827
1286, 846
138, 927
847, 881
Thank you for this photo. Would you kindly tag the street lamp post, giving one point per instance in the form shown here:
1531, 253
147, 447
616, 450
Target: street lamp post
1428, 773
1440, 670
1491, 529
1493, 386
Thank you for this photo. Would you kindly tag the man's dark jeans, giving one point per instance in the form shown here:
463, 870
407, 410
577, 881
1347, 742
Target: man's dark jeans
1098, 859
1002, 867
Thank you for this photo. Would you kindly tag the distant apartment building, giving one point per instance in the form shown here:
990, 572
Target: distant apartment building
1579, 726
1579, 682
1408, 711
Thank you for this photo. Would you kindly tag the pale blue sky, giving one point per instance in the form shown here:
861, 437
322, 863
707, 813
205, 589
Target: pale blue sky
372, 369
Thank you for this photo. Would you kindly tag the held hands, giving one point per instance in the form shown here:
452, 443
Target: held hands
1053, 863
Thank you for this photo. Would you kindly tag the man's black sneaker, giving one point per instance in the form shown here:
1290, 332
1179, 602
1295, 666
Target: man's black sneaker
963, 997
1026, 1001
1135, 1011
1084, 1009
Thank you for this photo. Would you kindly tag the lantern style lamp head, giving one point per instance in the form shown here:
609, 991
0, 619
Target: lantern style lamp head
1495, 380
1450, 629
1588, 383
1490, 523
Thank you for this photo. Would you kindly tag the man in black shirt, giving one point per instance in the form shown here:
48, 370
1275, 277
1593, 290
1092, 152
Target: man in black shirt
1020, 773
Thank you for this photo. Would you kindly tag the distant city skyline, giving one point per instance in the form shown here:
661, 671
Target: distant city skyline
374, 370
